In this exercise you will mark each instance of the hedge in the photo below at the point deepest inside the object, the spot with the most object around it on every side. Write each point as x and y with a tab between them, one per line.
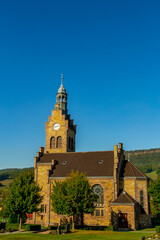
157	228
98	228
32	227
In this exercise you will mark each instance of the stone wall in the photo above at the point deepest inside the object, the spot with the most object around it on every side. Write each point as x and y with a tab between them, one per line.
129	209
89	219
64	131
42	180
56	117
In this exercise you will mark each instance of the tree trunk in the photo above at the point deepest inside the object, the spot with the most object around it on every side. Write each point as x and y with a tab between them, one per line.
20	223
73	223
81	218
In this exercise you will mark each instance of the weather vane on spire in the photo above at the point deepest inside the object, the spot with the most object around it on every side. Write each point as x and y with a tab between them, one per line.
61	79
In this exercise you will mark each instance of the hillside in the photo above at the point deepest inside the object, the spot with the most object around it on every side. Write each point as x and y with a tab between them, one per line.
146	160
7	175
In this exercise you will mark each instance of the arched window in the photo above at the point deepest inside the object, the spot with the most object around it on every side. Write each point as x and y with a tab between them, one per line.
141	198
69	142
98	190
59	142
59	99
52	142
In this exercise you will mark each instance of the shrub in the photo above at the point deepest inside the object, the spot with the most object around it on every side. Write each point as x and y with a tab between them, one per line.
32	227
12	226
157	228
155	222
110	228
98	228
2	225
52	227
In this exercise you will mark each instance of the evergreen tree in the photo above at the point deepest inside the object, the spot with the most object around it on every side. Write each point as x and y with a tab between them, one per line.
73	197
23	196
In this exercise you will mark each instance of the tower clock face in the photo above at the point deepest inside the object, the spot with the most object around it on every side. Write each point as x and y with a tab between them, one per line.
56	126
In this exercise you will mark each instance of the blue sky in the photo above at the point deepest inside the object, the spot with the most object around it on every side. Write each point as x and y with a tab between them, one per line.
109	53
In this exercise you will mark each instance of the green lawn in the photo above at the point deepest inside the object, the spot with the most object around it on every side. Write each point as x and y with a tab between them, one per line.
79	235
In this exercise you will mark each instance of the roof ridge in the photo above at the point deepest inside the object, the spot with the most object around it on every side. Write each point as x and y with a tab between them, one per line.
130	197
80	152
127	195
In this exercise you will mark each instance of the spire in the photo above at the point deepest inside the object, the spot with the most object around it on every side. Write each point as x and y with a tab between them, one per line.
61	97
61	89
62	79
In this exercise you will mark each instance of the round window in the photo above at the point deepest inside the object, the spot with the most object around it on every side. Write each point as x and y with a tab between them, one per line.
98	190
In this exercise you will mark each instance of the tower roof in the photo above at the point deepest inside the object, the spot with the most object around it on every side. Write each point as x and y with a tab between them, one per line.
61	89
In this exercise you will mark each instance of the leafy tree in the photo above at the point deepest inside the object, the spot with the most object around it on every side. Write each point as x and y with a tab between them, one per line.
154	192
3	194
23	196
158	172
73	197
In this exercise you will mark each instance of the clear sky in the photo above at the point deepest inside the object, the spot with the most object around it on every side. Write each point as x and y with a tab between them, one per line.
109	53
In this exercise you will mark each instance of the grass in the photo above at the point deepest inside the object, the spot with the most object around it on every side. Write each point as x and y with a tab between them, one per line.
79	235
152	175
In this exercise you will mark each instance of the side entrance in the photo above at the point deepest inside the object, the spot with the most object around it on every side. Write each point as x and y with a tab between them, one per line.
122	220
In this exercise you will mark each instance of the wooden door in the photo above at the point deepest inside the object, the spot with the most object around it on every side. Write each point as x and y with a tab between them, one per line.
122	220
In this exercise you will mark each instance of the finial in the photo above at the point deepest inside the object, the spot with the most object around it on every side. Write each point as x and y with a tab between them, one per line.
61	79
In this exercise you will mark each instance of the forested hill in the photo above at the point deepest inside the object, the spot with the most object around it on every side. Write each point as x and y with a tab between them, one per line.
147	160
11	173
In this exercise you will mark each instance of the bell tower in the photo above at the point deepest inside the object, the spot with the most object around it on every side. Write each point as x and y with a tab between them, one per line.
60	129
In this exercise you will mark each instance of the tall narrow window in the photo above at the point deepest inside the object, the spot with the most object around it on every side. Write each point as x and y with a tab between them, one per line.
43	208
71	143
98	190
52	142
59	142
97	212
141	198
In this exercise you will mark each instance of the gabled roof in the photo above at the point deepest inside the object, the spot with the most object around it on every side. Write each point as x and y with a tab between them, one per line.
87	162
124	198
129	170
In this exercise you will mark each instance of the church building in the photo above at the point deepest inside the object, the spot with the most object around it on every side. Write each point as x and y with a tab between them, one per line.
121	186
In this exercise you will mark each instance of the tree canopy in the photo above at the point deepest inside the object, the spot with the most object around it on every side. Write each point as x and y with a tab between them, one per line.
23	196
73	196
154	192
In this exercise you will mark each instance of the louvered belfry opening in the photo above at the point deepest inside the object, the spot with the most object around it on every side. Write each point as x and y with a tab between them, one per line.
52	142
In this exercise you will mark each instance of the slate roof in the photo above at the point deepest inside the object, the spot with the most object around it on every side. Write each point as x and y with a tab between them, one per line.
129	170
87	162
124	198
